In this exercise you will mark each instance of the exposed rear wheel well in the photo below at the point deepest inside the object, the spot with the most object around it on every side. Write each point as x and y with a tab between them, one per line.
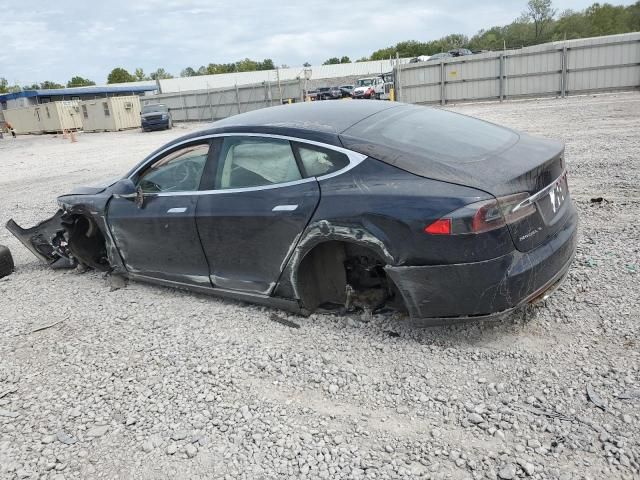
338	273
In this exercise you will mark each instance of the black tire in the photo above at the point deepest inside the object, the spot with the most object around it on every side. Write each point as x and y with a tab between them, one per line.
6	262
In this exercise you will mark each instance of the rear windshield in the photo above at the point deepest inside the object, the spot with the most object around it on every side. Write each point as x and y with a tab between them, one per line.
423	132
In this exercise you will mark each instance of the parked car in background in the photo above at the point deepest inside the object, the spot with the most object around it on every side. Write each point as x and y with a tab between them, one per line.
155	116
346	90
312	95
329	93
453	218
439	56
460	52
370	87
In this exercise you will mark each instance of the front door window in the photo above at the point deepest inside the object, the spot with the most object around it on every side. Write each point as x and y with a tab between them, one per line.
179	171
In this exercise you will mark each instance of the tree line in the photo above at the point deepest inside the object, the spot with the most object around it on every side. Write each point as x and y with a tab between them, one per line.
539	23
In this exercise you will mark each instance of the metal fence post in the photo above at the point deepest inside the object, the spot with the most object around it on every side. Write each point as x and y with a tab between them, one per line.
442	100
210	104
502	77
238	97
398	81
563	78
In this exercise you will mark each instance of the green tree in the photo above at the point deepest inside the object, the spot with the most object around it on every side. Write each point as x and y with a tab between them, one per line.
140	75
188	72
4	85
49	85
306	64
78	81
541	13
120	75
160	74
345	59
33	86
331	61
363	59
266	64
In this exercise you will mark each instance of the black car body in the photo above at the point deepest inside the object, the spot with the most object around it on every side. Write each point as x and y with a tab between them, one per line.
439	56
359	204
329	93
460	52
155	117
346	90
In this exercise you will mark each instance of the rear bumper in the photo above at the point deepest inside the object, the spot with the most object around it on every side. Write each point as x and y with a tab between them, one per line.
155	125
440	294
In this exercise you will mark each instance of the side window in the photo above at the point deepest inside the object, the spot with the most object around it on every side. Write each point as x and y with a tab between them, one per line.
105	106
318	161
178	171
256	161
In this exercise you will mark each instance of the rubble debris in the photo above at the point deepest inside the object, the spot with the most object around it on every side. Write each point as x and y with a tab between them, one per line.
629	395
283	321
45	327
116	282
595	398
8	392
6	262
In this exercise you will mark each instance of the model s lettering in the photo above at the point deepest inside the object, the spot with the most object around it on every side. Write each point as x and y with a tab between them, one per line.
333	205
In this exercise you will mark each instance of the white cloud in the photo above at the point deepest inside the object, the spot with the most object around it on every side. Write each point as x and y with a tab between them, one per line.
91	38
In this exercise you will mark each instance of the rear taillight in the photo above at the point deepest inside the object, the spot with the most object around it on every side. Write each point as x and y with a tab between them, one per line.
439	227
484	216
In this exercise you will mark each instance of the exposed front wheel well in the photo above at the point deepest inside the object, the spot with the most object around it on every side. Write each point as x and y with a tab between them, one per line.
86	241
344	274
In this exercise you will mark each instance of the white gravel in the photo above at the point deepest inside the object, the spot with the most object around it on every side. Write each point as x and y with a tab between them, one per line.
148	382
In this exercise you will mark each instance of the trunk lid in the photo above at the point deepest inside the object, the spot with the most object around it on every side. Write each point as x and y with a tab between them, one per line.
454	148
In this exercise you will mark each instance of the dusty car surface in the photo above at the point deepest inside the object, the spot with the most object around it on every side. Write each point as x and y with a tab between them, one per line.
333	205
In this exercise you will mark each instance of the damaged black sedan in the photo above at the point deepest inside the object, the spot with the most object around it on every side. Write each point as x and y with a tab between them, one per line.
333	205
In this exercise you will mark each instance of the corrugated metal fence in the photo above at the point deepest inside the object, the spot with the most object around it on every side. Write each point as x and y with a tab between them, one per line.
558	68
218	103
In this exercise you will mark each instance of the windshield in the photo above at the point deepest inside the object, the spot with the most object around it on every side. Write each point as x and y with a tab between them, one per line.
365	82
154	108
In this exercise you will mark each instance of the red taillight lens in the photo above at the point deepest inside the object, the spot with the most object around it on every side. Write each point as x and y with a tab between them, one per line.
439	227
484	216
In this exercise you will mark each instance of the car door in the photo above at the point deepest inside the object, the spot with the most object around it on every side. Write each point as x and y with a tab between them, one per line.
260	204
159	238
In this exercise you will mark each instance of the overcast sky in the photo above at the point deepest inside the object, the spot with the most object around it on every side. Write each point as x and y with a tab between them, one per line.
55	40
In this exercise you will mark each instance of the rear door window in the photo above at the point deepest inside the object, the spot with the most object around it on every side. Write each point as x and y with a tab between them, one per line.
256	161
318	161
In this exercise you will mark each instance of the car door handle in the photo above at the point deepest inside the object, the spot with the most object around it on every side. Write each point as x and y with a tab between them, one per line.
177	210
284	208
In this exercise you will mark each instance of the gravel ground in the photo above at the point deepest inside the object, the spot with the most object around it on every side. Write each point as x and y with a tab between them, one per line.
149	382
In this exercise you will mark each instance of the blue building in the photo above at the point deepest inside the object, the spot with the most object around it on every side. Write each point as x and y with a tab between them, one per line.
28	98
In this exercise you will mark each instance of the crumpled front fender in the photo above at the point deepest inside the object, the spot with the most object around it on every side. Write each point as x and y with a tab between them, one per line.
46	240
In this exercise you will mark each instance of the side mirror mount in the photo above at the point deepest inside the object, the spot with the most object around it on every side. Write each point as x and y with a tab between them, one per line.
124	188
139	197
